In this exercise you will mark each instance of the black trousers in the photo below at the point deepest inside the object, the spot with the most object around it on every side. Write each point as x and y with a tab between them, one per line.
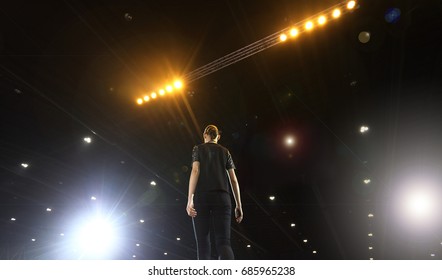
214	210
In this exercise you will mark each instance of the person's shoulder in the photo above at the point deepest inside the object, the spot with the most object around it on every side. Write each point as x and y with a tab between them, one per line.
223	148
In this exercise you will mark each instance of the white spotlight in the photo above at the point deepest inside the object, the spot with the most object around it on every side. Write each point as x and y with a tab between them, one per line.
292	225
141	221
305	240
178	238
272	197
25	165
93	198
13	219
87	140
249	246
48	209
364	129
33	239
96	237
153	183
419	204
289	141
367	181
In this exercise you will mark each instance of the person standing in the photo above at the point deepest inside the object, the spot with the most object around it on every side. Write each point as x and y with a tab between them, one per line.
211	181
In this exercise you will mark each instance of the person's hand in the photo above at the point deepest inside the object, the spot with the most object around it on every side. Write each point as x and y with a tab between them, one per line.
238	214
191	210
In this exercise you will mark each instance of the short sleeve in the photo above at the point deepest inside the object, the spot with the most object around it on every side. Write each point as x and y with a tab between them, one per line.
229	163
195	154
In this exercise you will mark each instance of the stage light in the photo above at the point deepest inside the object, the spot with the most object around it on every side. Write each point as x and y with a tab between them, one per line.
178	238
370	215
169	88
138	244
165	253
432	255
87	140
93	198
96	237
292	225
419	204
25	165
162	92
61	234
33	239
371	259
141	221
336	13
153	95
314	252
370	248
289	141
370	234
153	183
13	219
283	37
322	20
178	84
364	37
272	197
309	25
367	181
249	246
146	98
48	210
364	129
140	101
134	256
305	240
294	32
351	5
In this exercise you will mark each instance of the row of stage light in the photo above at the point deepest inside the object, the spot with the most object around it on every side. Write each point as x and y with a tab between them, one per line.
307	25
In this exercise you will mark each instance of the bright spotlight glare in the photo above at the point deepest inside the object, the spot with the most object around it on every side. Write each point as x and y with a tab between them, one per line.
25	165
96	237
419	204
87	140
178	84
336	13
322	20
367	181
272	197
283	37
309	25
162	92
351	5
363	129
294	32
169	88
139	101
153	95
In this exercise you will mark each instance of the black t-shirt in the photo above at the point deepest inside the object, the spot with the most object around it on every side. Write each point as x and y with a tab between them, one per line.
214	160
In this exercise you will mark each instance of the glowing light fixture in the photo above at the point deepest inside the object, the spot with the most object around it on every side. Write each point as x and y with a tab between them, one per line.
13	219
289	141
272	197
249	246
309	25
138	244
292	225
367	181
178	84
336	13
93	198
48	209
370	215
25	165
33	239
351	5
283	37
178	238
96	237
314	252
87	140
140	101
294	32
141	221
322	20
169	88
162	92
165	253
146	98
364	129
370	234
370	248
153	183
419	204
305	240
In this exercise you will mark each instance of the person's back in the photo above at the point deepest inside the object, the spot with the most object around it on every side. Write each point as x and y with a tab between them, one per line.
209	184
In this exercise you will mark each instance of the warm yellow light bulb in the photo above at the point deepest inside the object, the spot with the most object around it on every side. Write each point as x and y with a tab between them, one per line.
322	20
146	98
139	101
351	5
309	25
169	88
283	37
153	95
336	13
178	84
294	32
162	92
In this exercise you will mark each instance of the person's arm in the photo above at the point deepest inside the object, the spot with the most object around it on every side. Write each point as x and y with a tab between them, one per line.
194	175
236	194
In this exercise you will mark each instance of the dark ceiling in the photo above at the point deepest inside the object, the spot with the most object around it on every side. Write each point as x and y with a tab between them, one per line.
74	69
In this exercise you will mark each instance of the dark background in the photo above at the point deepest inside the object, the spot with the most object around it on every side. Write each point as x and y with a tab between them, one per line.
74	69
